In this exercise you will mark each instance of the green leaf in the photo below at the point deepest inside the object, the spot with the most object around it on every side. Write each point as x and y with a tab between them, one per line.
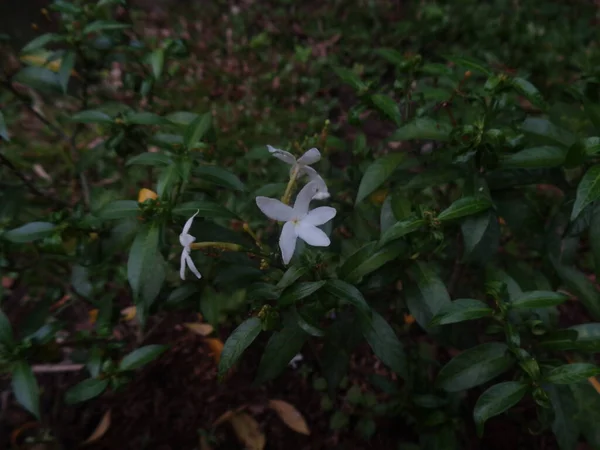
235	345
401	229
41	42
293	273
584	338
465	206
423	128
183	118
579	284
391	55
150	159
120	209
299	291
86	390
480	232
220	177
90	116
39	78
427	296
378	173
157	62
66	66
104	25
340	340
547	131
204	209
145	270
460	310
281	348
594	239
587	191
182	293
591	145
572	373
3	130
496	400
167	179
6	335
384	342
30	232
373	261
349	294
536	158
388	107
141	356
475	366
350	77
470	63
25	387
196	130
529	91
433	177
144	118
539	299
565	410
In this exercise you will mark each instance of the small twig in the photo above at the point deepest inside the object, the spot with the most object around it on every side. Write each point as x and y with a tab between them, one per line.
56	368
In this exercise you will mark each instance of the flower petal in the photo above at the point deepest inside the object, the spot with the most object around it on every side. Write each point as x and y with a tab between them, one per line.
303	199
182	264
313	175
287	242
274	209
310	157
320	215
188	224
312	235
191	265
186	239
286	157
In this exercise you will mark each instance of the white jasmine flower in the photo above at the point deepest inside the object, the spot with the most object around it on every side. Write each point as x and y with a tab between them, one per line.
186	239
299	221
296	360
302	166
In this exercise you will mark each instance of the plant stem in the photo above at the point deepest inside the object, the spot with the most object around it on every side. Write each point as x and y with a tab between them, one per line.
290	186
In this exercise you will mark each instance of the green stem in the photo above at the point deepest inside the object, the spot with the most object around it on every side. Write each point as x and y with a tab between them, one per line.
290	186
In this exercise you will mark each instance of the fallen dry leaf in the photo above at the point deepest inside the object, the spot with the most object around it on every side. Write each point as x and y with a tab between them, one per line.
216	347
228	415
41	172
128	313
100	430
204	445
290	416
248	431
203	329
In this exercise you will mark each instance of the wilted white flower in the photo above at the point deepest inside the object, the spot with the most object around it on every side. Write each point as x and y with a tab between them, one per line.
295	361
299	221
302	167
186	240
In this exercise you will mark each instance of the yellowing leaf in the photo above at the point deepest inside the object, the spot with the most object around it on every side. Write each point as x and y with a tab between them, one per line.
378	197
100	430
248	431
227	415
93	315
40	59
290	416
145	194
128	313
216	346
203	329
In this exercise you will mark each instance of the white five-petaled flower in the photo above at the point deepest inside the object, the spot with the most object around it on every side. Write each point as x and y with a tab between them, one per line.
186	239
302	166
299	221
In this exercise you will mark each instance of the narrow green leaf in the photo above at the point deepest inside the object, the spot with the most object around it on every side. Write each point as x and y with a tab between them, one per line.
497	399
433	177
594	239
6	335
465	206
544	129
539	299
299	291
66	67
41	42
565	410
401	229
239	340
427	296
86	390
39	78
461	310
572	373
141	356
143	265
120	209
348	293
196	130
144	118
30	232
384	342
480	232
587	191
157	62
182	118
90	116
25	387
388	107
293	273
475	366
104	25
536	158
470	63
220	177
423	128
579	284
529	91
167	179
308	328
391	55
150	159
350	77
374	261
182	293
281	348
378	173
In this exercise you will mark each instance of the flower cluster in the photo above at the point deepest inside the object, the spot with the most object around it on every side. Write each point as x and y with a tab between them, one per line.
299	220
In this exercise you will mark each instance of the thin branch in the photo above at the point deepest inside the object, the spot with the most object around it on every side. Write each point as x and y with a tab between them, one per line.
56	368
